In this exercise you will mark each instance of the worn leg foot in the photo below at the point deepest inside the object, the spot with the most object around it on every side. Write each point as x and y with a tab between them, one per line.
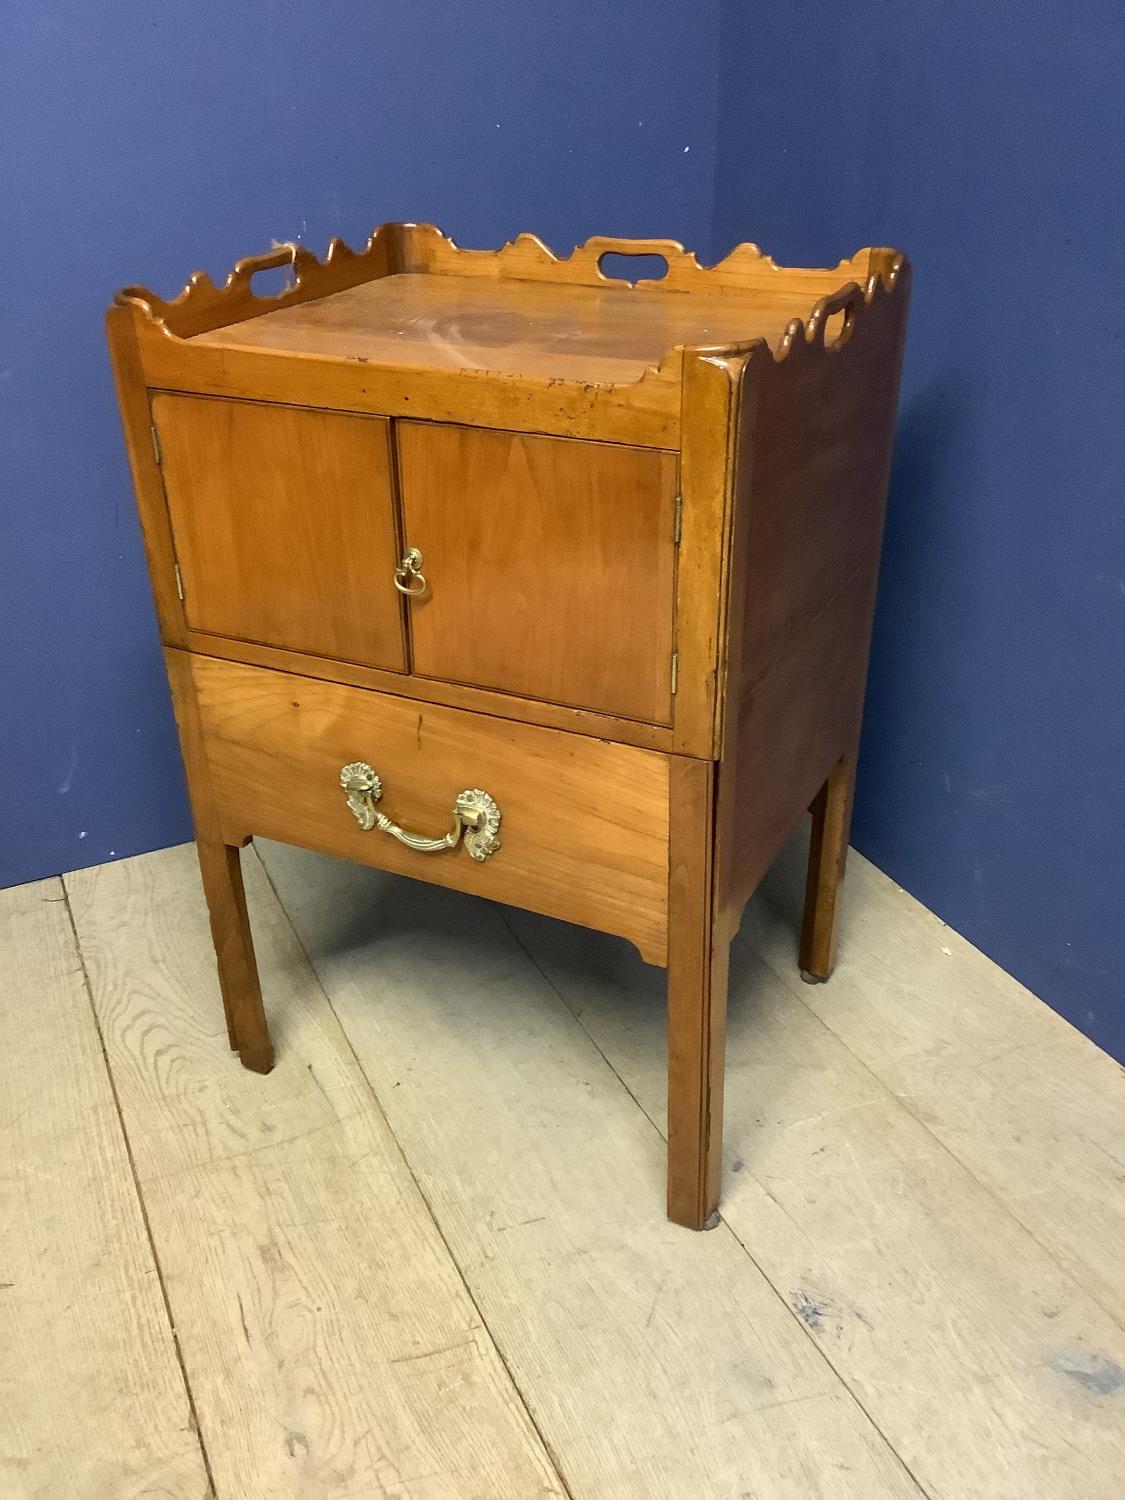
221	868
697	1005
828	849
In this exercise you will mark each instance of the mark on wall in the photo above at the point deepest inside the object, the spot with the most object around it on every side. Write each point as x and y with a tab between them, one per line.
68	775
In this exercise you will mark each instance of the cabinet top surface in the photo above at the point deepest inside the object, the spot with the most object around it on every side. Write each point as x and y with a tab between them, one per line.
515	327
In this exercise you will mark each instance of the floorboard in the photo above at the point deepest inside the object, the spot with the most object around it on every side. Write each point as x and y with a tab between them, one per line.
93	1404
1027	1103
989	1366
426	1257
657	1362
329	1341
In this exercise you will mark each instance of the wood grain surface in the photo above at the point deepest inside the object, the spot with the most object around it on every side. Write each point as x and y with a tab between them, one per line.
122	325
986	1361
1017	1094
283	524
427	690
720	588
519	338
330	1343
828	852
550	566
585	823
658	1363
916	1291
93	1404
644	412
422	251
524	329
697	1000
815	439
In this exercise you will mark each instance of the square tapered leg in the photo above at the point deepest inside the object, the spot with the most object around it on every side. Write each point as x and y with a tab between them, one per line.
697	1003
221	869
828	851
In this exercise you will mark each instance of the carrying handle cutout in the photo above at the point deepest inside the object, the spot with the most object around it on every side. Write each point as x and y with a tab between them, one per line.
632	266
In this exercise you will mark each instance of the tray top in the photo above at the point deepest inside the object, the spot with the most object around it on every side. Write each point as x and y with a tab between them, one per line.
536	329
412	298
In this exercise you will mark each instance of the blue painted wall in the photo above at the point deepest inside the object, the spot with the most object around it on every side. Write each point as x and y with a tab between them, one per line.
988	141
142	141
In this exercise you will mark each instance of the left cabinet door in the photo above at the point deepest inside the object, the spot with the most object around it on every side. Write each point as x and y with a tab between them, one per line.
283	524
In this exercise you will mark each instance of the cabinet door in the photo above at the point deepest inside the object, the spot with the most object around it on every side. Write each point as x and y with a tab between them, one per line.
549	564
283	524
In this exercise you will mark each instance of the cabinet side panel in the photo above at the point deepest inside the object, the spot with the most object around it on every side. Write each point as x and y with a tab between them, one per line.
132	398
814	455
710	388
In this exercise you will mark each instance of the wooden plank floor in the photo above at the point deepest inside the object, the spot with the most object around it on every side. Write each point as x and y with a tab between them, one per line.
92	1398
427	1255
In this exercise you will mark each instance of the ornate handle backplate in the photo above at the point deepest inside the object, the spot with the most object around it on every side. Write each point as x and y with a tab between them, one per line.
475	815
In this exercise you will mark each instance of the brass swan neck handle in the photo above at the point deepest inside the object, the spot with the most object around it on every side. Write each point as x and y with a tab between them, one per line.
475	815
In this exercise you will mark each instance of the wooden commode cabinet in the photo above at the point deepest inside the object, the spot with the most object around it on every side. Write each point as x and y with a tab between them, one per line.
487	568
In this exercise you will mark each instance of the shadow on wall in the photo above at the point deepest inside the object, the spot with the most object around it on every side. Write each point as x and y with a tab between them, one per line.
902	690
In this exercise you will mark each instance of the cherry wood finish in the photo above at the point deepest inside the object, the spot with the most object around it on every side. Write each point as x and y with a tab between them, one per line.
455	694
283	525
639	404
584	834
220	867
698	960
525	329
422	249
550	566
809	489
649	517
134	400
828	850
221	872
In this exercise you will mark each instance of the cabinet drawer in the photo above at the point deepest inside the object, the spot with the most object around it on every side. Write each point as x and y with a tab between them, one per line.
584	823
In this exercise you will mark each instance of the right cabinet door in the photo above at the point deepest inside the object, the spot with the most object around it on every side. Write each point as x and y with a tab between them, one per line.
549	566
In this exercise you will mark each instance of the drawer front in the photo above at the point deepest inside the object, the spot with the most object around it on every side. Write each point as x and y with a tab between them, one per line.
283	525
550	566
584	823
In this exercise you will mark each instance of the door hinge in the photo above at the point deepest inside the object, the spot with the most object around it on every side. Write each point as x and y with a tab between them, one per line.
678	522
179	581
675	671
155	443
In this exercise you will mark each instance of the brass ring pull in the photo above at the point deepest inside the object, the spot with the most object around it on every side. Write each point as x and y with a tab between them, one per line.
409	572
475	815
